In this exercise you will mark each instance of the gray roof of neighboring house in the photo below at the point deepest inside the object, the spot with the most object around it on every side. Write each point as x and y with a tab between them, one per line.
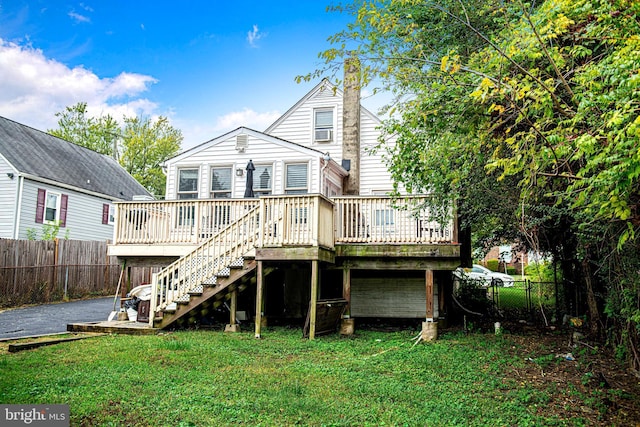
39	154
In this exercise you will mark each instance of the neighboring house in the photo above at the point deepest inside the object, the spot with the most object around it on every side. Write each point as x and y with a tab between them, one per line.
45	180
319	228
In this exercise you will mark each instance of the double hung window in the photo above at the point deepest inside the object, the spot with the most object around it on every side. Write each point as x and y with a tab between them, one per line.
187	184
296	178
323	125
221	183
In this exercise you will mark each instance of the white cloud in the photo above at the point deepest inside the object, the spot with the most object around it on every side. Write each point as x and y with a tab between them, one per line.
254	35
195	134
247	118
33	88
85	7
78	18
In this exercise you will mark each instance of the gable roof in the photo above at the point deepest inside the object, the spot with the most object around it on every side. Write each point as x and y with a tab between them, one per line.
248	131
325	84
40	155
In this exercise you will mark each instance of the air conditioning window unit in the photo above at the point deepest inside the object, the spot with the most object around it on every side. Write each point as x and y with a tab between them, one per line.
323	135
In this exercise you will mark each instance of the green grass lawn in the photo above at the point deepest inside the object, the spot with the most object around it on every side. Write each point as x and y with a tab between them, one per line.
515	297
209	378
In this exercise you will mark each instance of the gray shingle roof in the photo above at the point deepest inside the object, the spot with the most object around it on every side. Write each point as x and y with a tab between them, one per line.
40	154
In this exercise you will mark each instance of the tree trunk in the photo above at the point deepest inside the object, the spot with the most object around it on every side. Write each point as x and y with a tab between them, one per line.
594	312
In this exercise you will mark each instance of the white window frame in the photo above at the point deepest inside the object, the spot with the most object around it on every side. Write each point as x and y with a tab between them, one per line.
56	218
112	215
256	179
296	190
214	194
196	192
317	127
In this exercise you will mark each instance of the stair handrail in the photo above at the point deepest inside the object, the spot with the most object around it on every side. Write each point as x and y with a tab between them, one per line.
218	252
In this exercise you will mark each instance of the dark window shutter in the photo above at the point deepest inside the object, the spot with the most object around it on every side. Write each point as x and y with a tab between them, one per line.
63	210
105	214
42	194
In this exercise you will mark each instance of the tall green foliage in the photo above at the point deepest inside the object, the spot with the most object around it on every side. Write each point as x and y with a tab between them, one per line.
141	144
147	145
526	117
77	126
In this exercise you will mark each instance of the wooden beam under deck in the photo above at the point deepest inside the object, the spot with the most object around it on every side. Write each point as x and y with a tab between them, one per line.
295	253
399	251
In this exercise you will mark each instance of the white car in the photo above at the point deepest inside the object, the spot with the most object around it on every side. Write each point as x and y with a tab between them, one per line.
485	276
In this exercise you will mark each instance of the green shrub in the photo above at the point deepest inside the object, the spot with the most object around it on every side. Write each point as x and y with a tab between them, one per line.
541	272
511	270
493	265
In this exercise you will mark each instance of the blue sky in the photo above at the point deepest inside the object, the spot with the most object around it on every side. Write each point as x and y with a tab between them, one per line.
210	66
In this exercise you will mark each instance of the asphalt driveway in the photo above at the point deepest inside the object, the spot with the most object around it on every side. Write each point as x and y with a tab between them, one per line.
52	318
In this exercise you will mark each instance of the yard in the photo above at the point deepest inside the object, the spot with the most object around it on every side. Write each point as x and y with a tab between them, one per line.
378	377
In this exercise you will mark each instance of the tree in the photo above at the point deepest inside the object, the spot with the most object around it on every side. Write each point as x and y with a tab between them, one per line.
98	134
147	144
141	145
537	107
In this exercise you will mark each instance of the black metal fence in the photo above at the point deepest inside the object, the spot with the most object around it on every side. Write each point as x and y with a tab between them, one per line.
524	300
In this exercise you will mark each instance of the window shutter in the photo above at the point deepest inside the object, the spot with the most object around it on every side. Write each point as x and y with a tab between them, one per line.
63	210
42	194
105	214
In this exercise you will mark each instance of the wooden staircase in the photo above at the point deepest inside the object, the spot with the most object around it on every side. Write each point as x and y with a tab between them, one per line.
200	280
207	297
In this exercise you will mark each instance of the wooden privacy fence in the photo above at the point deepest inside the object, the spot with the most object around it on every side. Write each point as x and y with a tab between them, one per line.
37	271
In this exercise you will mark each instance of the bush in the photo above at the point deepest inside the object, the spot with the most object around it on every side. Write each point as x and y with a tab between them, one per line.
493	264
511	270
541	272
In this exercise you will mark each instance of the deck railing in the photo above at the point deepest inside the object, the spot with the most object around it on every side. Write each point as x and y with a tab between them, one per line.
380	219
176	221
284	220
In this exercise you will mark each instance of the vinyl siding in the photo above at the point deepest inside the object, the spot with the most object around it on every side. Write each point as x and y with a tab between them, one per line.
224	154
8	199
298	127
84	214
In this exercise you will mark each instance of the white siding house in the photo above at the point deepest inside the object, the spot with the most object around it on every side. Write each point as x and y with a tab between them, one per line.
326	230
217	168
300	123
300	141
45	180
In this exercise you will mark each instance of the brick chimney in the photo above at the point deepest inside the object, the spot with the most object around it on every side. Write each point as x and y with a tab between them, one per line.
351	125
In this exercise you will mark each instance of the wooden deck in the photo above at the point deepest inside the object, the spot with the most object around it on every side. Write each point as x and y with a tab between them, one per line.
201	242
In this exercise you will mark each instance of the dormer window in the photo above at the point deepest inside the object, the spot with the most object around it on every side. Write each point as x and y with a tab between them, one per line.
323	125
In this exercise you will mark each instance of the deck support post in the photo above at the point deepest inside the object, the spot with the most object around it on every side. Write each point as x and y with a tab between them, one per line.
124	290
314	299
233	324
429	291
259	298
347	323
429	327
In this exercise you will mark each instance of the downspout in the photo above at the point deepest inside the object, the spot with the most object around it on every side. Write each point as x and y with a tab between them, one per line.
18	208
